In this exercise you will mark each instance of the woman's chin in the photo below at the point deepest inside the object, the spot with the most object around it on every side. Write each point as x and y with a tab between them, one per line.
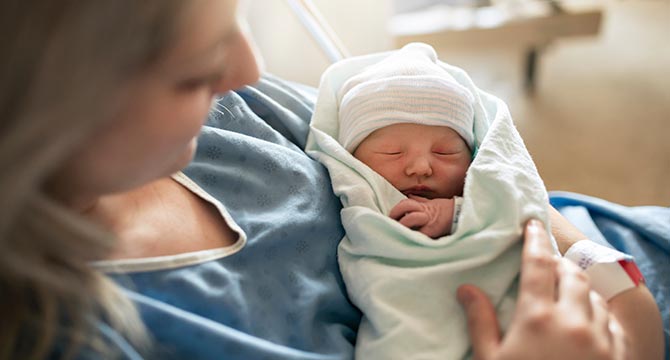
187	155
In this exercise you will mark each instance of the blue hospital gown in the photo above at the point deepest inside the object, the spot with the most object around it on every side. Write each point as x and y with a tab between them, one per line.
281	296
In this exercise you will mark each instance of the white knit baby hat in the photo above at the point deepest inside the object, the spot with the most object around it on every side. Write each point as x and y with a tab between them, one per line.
409	86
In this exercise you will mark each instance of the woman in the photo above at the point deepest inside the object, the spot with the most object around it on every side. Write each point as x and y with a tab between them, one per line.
101	102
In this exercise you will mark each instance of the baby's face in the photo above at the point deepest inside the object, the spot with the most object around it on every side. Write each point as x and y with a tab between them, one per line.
428	161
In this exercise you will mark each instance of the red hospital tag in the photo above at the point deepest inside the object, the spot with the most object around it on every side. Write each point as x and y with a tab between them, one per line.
633	271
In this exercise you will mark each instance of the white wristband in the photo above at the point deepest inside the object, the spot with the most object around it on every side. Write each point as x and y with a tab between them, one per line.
609	270
458	204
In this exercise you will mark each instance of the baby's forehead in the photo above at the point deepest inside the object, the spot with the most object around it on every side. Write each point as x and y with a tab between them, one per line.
412	133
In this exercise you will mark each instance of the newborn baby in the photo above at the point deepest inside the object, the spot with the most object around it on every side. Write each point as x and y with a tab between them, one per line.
411	122
407	139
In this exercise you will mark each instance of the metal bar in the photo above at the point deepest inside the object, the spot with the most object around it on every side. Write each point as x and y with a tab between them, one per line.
319	30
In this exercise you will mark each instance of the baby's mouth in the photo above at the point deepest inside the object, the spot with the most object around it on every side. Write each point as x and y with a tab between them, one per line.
420	190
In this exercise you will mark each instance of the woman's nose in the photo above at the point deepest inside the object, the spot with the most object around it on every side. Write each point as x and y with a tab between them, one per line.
419	166
243	69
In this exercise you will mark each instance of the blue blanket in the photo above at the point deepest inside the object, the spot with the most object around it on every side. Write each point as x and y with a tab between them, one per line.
643	232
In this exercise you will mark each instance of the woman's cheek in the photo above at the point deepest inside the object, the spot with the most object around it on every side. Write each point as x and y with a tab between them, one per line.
204	102
195	109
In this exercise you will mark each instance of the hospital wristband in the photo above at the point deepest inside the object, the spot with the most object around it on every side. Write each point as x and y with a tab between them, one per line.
458	204
610	271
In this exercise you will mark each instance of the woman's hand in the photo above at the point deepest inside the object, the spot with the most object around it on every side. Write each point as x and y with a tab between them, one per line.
634	309
556	317
432	217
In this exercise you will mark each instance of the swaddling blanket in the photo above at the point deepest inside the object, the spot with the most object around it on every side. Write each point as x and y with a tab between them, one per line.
403	281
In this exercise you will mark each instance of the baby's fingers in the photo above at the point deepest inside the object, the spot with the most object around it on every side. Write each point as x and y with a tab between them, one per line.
418	198
415	220
404	207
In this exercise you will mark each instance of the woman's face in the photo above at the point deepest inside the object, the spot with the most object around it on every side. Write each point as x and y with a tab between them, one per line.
154	135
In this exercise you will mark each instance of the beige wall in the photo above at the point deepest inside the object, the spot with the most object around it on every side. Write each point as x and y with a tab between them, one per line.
599	121
290	53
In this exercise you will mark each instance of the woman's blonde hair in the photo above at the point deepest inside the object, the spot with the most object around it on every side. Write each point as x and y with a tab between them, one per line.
62	72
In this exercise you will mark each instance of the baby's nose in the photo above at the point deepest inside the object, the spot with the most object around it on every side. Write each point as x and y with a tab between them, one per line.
419	166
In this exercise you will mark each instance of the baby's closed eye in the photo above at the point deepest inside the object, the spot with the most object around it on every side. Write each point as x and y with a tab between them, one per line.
447	151
388	151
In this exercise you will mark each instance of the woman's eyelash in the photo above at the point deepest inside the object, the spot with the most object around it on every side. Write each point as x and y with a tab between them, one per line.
202	81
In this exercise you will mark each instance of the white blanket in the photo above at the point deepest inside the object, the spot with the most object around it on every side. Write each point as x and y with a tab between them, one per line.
403	281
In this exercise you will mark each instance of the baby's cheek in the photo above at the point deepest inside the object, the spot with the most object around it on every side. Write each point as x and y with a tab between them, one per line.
392	173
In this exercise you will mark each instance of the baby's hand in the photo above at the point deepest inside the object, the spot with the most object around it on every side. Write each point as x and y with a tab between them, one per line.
430	216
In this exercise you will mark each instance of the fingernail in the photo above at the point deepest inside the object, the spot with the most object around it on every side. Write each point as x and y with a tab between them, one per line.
464	296
534	223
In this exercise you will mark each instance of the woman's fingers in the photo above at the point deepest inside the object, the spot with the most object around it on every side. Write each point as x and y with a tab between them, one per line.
612	336
574	291
538	268
482	322
619	340
601	315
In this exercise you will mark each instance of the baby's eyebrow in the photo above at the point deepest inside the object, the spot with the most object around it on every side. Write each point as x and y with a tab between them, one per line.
386	146
449	139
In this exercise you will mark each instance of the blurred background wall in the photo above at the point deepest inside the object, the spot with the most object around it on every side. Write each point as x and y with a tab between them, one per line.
598	121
